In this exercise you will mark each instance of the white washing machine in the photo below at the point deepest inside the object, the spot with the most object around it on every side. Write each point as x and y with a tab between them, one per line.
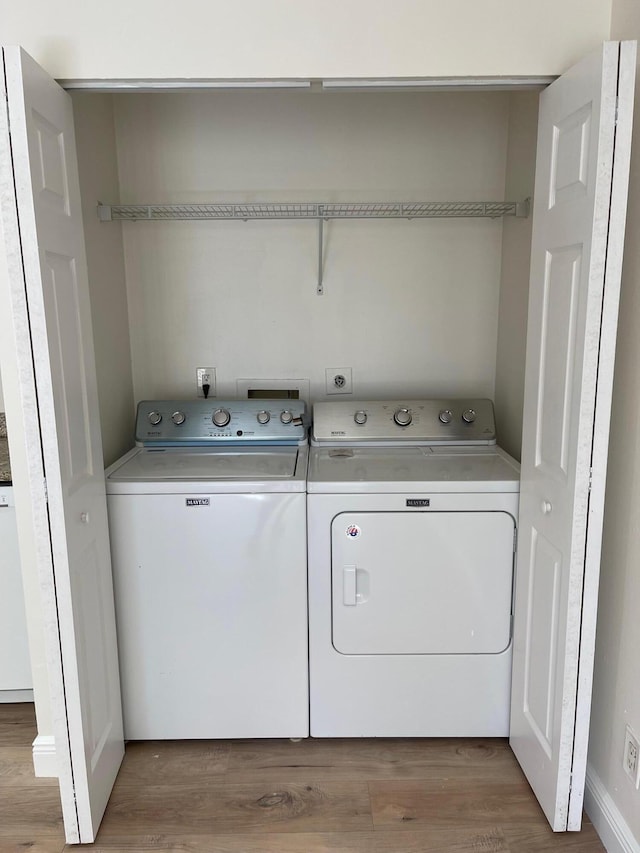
208	531
412	528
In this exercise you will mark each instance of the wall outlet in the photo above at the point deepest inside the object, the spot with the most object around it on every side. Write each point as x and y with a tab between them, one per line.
206	376
338	380
631	758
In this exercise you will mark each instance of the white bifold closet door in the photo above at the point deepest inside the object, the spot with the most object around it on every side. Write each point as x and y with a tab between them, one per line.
582	173
579	209
49	296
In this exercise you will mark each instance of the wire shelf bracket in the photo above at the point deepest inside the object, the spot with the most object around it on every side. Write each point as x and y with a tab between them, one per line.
319	211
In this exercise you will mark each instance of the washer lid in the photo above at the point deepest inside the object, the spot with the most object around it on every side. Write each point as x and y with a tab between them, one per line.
412	469
162	464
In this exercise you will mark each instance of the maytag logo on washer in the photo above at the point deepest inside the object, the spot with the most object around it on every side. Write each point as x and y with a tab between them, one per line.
353	531
197	501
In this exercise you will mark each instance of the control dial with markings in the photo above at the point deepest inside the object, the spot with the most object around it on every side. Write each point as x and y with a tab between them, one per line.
286	417
221	417
469	416
445	416
402	417
263	417
360	417
178	418
154	418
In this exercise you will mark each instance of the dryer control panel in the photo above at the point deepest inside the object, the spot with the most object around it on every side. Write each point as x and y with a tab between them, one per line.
170	423
446	421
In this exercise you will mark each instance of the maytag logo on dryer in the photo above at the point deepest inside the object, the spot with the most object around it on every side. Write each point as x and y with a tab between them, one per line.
419	502
197	501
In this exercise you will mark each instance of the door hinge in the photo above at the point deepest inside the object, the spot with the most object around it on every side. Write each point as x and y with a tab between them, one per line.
590	478
515	540
46	490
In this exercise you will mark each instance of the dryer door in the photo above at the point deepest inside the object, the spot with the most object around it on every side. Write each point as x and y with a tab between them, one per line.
422	582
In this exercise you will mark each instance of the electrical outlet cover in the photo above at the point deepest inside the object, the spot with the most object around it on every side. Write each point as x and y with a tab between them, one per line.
203	373
631	757
338	380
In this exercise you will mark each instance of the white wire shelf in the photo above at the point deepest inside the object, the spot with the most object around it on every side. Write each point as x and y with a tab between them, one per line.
314	210
318	211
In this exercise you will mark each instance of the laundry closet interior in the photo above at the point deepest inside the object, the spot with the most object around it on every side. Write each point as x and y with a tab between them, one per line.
416	308
379	232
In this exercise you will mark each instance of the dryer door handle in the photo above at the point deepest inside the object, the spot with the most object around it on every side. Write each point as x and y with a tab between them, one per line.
349	586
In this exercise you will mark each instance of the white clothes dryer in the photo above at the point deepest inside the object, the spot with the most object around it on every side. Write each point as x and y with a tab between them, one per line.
208	533
412	515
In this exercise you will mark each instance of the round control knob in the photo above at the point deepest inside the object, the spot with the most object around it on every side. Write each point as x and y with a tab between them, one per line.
445	416
263	417
154	418
402	417
286	417
221	417
360	417
469	416
178	418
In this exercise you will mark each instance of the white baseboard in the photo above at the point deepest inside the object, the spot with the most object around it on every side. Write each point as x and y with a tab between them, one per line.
13	696
44	756
612	828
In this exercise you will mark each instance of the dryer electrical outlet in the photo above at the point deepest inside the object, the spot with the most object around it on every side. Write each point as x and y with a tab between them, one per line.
338	380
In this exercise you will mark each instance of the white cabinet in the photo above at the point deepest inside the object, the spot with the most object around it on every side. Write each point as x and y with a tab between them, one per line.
15	668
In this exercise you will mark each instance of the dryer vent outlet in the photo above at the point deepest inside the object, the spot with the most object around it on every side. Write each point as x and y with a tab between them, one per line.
338	380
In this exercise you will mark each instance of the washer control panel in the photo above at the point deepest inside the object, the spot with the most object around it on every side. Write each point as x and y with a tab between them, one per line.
467	421
204	422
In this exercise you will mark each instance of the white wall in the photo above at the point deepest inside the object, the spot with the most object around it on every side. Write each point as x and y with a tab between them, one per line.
411	307
300	38
98	169
514	285
616	693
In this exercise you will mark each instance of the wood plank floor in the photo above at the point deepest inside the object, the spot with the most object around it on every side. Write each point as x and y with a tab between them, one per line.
316	796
